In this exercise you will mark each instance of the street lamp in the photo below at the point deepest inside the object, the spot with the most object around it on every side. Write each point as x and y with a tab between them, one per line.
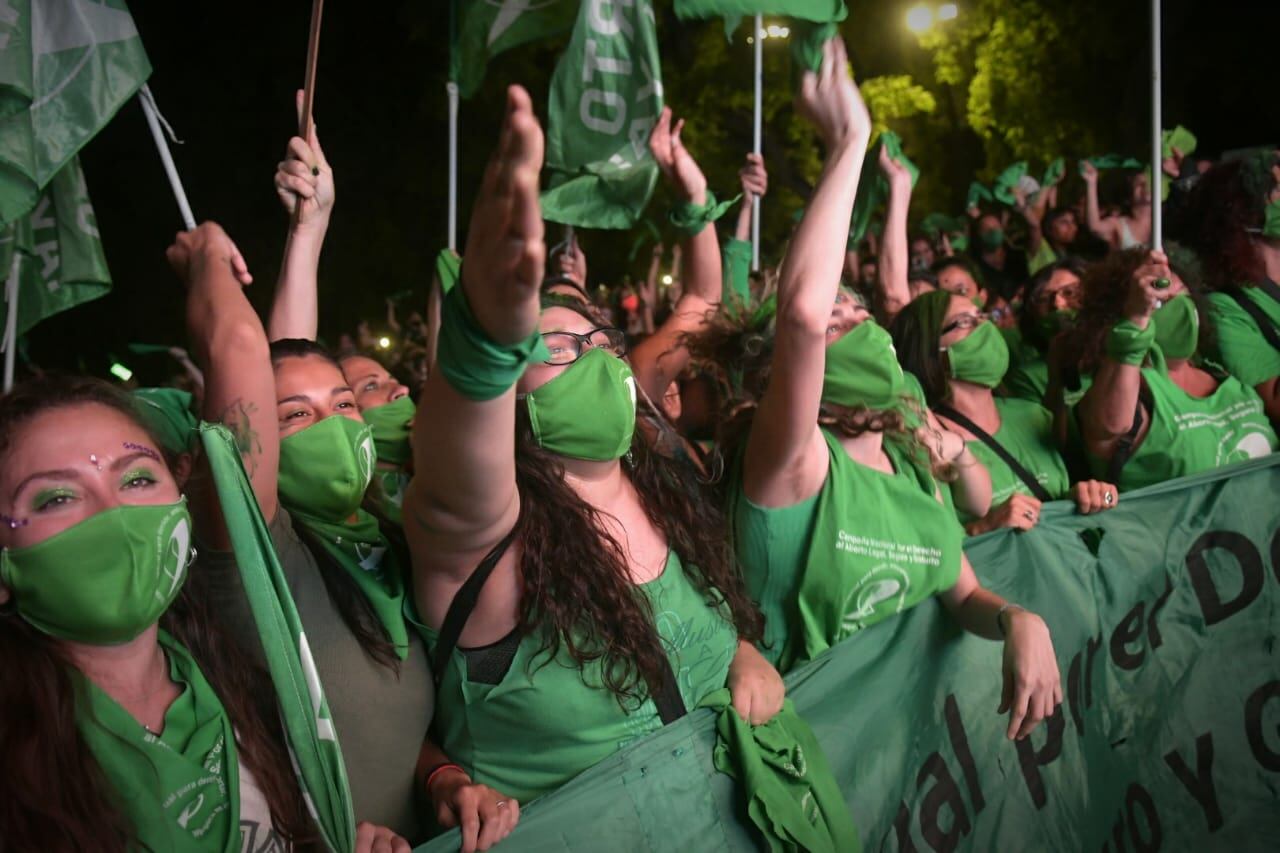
920	18
384	342
773	31
947	12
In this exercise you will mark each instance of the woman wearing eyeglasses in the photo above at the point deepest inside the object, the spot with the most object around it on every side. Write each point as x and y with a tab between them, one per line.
575	588
1052	300
959	356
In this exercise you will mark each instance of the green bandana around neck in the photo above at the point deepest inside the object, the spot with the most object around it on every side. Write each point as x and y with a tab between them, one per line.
862	369
588	411
106	579
325	468
392	426
1177	327
181	788
981	357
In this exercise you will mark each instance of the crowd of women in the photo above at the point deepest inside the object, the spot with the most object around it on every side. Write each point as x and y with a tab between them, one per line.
578	526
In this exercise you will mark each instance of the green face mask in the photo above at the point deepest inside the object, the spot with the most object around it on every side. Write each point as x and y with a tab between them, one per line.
863	370
982	357
105	580
390	424
1271	220
1056	321
587	412
1177	327
325	468
993	239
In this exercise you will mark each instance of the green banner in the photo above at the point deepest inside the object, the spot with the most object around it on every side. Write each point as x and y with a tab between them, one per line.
66	66
606	94
1164	613
304	712
60	259
485	28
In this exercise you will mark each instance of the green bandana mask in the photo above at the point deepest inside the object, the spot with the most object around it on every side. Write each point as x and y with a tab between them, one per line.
391	429
1056	321
325	468
587	412
993	239
982	357
862	369
1271	220
106	579
1177	327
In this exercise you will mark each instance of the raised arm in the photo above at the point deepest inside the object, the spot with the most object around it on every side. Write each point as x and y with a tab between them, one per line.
231	348
1033	213
1092	212
893	294
786	459
470	502
302	178
1107	409
737	251
662	356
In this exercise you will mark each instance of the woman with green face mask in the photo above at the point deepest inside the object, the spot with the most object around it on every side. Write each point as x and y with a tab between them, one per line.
131	719
574	587
829	479
1155	411
1048	309
310	457
959	358
388	409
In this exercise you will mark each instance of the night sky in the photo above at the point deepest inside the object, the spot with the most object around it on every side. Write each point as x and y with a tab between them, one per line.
224	76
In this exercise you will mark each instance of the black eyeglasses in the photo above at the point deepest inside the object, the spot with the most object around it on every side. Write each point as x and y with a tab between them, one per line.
568	347
964	321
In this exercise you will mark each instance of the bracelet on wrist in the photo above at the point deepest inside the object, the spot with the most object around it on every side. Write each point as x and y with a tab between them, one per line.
1009	605
437	770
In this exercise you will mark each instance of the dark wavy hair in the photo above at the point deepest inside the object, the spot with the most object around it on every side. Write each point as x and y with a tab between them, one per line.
915	333
1028	322
941	265
1228	199
577	593
57	797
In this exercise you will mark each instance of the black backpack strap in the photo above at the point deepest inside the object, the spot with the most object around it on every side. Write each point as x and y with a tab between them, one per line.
667	697
1037	490
464	602
1124	447
1264	323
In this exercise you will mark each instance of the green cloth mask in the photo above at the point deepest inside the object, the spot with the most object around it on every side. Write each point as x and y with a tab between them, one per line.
1177	327
1056	321
587	412
863	370
391	425
992	239
325	468
1271	220
981	357
106	579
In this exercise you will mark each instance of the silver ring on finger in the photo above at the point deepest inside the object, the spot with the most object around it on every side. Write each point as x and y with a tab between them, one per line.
1108	498
502	803
1028	515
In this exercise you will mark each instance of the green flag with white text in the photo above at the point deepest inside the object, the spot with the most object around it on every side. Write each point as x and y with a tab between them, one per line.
606	94
66	66
60	260
304	713
485	28
814	11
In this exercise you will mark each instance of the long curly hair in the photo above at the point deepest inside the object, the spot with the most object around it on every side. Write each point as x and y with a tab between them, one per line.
578	596
58	798
1228	199
1028	321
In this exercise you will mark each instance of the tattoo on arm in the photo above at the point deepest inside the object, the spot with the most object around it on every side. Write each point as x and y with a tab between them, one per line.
236	417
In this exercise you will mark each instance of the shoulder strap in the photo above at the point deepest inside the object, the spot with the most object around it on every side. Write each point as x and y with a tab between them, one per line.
996	447
1124	447
464	602
1265	324
667	698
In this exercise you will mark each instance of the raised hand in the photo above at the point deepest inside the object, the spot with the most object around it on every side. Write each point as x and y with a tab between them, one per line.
893	170
754	177
304	176
192	252
831	102
573	263
1148	287
1089	172
675	161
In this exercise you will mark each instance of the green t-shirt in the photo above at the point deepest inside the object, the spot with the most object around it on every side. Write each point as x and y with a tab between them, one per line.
1241	346
1044	255
545	722
1191	434
1026	432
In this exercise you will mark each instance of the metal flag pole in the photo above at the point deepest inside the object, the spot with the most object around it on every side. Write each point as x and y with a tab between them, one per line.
1157	152
11	319
452	89
153	121
755	146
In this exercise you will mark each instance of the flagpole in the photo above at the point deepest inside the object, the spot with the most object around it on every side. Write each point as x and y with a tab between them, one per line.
11	319
452	88
755	146
1157	152
153	121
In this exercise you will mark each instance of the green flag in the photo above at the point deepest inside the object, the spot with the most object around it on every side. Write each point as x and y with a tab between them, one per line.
308	725
66	66
873	186
60	260
485	28
814	11
606	94
1007	181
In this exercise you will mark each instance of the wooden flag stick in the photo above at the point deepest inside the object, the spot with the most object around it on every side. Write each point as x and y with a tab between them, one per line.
305	123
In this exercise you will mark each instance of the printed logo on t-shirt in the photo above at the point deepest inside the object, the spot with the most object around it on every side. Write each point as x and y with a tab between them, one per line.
883	589
1252	445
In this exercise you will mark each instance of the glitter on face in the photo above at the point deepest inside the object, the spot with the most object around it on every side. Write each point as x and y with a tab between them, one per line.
93	460
13	523
143	449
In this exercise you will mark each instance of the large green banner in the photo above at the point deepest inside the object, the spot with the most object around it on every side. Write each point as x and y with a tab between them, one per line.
1165	613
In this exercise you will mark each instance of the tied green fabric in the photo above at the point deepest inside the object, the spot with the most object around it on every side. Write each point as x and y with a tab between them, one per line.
1007	181
862	369
180	789
1239	344
873	186
588	411
1054	172
981	357
792	796
304	711
167	413
392	425
606	94
104	580
475	366
325	468
1026	431
1128	344
689	219
448	269
977	194
1177	327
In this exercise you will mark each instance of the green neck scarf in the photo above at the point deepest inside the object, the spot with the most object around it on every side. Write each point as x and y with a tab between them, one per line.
391	424
180	789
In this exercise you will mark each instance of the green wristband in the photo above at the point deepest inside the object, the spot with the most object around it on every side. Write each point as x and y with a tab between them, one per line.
1128	344
689	218
471	362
